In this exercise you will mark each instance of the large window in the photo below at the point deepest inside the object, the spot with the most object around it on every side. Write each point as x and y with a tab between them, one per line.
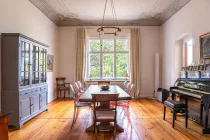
108	58
188	53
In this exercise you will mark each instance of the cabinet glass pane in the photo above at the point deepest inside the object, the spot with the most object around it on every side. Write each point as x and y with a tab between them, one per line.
26	78
22	74
43	77
27	50
35	77
27	61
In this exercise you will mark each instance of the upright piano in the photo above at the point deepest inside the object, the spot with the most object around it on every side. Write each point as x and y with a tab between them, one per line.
194	85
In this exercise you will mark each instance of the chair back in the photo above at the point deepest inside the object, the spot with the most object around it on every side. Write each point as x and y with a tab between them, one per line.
125	84
76	87
75	94
128	84
104	98
60	81
79	83
130	88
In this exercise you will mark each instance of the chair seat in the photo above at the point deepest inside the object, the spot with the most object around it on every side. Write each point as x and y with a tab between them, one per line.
105	115
82	104
174	104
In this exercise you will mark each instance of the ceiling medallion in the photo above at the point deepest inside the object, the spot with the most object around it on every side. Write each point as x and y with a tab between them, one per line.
114	30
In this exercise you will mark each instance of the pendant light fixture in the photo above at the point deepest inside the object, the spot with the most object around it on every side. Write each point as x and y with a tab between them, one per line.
113	30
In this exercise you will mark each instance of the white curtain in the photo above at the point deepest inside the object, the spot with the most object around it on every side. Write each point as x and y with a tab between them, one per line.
135	61
81	55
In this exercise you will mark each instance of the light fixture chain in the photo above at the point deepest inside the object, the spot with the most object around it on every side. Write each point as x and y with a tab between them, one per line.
115	15
113	12
104	13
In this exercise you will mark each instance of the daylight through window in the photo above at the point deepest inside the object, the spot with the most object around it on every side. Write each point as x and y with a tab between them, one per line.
108	58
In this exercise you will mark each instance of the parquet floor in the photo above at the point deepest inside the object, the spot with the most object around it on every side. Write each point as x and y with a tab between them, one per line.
146	117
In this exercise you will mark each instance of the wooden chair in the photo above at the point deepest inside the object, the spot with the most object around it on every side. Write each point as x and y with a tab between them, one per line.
77	105
62	86
105	114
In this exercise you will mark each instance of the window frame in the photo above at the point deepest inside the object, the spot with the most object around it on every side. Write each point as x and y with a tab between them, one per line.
101	52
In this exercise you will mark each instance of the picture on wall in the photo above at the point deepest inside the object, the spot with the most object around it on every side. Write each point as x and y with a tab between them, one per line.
205	46
49	62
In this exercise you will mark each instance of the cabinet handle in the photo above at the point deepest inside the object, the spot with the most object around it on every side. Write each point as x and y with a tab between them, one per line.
26	93
36	90
29	64
32	104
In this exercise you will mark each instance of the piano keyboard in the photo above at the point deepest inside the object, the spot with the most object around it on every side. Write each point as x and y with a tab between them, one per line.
188	93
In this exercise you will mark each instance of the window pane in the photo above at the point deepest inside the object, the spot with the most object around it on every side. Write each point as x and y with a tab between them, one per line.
108	45
108	65
94	45
95	65
122	45
122	65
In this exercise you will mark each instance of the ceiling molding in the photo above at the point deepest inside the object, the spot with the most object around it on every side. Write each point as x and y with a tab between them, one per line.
145	19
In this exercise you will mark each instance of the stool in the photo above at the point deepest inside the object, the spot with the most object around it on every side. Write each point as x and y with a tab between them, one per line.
176	107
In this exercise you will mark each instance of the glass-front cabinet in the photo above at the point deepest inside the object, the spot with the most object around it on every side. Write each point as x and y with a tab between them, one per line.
24	77
32	64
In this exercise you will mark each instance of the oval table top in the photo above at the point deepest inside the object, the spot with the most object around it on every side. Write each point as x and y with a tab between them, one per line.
95	89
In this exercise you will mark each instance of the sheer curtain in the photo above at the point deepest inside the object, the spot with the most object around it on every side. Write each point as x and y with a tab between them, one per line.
135	61
81	55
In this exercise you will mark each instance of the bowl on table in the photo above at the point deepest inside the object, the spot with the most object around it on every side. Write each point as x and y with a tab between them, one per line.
105	87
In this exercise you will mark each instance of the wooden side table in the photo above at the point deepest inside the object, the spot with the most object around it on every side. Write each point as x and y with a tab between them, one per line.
4	119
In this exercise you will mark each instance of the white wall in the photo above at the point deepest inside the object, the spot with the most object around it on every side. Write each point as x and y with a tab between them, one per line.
20	16
192	19
149	46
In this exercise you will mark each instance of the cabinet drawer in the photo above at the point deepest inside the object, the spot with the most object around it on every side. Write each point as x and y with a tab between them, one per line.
44	88
36	90
25	93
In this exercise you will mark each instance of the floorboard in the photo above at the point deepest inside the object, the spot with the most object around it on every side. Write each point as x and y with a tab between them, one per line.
146	124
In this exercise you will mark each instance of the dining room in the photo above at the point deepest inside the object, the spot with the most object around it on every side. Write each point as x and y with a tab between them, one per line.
108	69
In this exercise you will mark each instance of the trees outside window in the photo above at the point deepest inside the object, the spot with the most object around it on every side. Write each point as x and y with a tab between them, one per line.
108	58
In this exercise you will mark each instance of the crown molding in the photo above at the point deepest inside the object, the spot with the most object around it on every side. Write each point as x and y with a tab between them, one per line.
145	19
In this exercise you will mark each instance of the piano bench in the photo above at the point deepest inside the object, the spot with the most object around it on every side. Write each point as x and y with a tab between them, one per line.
176	107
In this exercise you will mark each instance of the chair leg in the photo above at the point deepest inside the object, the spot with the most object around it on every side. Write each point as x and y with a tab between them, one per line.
77	114
186	117
164	113
174	113
73	121
64	93
115	127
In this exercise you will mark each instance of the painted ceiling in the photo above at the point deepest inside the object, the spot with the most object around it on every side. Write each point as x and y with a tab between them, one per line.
90	12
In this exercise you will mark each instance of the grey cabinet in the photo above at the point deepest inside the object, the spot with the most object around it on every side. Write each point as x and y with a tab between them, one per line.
24	77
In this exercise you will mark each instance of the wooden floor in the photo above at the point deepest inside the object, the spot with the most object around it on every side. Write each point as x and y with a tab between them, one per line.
146	117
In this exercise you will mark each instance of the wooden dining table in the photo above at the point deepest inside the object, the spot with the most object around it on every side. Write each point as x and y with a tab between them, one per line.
96	89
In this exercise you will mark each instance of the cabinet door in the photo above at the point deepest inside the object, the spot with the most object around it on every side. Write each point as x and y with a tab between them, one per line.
35	64
35	103
43	99
43	68
25	62
25	108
